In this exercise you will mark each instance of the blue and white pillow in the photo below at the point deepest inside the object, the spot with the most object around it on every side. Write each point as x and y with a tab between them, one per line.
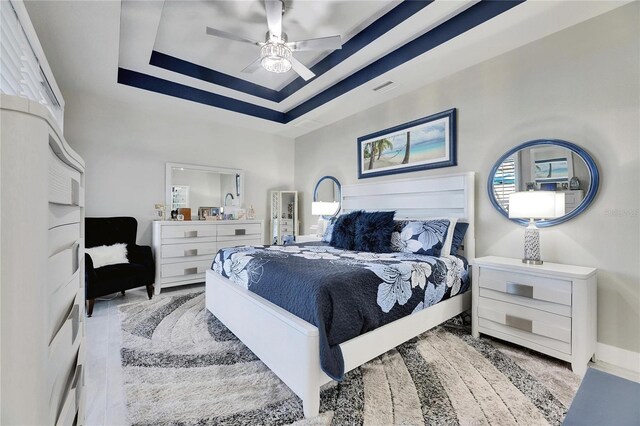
328	231
420	237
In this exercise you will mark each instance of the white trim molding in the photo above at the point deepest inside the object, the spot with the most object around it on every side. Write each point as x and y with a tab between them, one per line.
619	357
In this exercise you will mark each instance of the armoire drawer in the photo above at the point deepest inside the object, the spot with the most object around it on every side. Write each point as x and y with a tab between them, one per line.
64	182
66	403
188	250
62	237
185	268
60	214
60	302
188	231
526	286
62	266
534	321
238	230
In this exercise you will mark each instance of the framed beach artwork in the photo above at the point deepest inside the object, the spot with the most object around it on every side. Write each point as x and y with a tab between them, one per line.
426	143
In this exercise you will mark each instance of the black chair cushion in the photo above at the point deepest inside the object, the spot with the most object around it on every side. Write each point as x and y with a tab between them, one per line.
107	231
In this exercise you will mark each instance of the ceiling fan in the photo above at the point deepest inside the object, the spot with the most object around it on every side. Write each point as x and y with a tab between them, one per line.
276	50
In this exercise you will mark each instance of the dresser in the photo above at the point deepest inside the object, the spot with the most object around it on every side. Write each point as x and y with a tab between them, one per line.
184	250
550	308
42	269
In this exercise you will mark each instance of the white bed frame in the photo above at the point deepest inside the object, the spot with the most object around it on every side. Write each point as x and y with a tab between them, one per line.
290	346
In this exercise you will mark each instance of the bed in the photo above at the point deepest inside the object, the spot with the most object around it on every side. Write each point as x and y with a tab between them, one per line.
295	349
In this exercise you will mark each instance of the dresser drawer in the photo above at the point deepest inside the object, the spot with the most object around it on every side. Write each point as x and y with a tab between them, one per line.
188	250
62	266
188	231
533	321
235	230
185	268
70	400
526	286
64	182
63	351
62	237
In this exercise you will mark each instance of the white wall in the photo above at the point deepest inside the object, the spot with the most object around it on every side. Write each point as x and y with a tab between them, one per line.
125	148
580	85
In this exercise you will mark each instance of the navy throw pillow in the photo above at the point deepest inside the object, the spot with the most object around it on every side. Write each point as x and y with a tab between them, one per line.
373	232
344	231
458	236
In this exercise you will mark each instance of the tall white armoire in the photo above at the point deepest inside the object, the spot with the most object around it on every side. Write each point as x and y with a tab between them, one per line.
284	217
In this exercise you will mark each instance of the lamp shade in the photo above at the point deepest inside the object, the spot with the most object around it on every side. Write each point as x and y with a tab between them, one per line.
536	205
323	208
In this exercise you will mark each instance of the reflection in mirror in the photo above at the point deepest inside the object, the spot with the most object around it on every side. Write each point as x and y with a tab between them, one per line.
193	186
545	165
328	190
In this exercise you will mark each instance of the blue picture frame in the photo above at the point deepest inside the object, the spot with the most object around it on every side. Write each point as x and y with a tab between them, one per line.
433	146
589	196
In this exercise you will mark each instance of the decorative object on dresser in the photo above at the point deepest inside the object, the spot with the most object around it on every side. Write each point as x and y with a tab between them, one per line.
183	251
118	277
327	199
422	144
544	162
42	294
549	308
284	216
535	205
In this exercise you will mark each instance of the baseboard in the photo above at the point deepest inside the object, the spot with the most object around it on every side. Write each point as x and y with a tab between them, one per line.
619	357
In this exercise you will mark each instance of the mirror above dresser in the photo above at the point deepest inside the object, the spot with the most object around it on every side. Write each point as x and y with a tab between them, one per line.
195	186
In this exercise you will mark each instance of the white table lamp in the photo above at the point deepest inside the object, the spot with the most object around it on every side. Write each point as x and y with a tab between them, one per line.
535	205
323	208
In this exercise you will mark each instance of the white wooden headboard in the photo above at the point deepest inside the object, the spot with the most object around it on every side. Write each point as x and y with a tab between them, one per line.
420	198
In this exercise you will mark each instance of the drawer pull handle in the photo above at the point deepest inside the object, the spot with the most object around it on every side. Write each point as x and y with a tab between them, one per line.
75	322
190	234
192	252
519	323
190	271
75	260
75	192
520	290
241	232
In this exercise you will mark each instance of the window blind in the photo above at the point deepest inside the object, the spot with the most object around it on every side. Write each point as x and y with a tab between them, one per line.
504	182
20	70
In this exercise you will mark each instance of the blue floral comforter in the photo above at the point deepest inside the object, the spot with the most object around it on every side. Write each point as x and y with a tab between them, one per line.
343	293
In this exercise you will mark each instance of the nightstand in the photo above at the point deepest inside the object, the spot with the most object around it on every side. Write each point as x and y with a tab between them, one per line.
308	238
550	308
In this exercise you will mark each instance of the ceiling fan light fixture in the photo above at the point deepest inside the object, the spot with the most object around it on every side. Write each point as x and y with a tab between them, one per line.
276	57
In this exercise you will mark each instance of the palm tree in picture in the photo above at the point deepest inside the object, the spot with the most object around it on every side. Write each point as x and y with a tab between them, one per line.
407	149
370	150
381	145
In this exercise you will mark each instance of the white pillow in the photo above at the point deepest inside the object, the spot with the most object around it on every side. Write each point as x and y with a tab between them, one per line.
108	255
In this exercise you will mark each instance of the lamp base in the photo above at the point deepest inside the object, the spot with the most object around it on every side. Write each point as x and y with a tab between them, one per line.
532	261
532	245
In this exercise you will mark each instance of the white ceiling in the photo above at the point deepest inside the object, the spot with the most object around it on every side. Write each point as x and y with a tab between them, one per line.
86	42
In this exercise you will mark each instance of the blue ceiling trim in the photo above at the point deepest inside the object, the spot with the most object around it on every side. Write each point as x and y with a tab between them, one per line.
166	87
171	63
386	22
470	18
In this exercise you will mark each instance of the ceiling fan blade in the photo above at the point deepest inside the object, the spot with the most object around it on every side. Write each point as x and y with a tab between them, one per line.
253	66
303	71
323	43
274	16
229	36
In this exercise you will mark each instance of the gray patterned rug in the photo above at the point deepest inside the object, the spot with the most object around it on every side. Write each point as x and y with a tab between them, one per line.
181	366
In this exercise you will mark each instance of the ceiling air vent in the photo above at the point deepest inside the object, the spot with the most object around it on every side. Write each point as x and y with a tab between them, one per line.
385	87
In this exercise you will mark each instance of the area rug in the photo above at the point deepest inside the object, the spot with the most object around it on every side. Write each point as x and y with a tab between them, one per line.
181	366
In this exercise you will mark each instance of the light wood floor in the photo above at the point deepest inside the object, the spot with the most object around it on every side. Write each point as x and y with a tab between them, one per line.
104	387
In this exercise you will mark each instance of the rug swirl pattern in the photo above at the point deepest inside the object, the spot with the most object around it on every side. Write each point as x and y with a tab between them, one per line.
181	366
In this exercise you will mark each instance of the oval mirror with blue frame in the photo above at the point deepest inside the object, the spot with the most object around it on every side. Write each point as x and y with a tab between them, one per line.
545	165
328	189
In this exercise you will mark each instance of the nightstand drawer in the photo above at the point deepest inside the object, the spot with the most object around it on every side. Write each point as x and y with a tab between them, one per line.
530	320
502	331
526	285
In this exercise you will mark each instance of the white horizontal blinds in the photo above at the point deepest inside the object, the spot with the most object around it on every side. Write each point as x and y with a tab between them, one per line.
20	71
504	182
